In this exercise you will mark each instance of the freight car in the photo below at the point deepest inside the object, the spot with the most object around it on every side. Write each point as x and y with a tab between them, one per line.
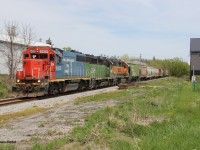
144	72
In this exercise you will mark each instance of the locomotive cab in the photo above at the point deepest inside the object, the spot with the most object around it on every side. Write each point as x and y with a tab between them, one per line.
119	71
38	67
38	64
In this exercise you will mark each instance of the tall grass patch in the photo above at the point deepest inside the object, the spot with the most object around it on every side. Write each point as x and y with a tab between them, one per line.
161	114
5	86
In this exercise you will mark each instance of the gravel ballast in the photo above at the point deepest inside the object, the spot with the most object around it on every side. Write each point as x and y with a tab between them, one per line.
51	102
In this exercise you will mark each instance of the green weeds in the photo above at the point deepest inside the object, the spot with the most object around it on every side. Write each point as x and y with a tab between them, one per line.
162	114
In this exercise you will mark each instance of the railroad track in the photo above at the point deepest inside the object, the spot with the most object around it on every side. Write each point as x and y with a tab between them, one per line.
6	102
11	101
135	83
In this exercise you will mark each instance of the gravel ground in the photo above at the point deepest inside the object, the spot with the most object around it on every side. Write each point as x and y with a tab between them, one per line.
51	102
53	123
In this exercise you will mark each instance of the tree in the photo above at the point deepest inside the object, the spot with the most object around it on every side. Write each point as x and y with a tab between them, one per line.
67	48
49	42
176	66
13	45
11	29
125	57
27	34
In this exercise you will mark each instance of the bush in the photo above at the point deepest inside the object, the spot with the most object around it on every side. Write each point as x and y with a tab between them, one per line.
176	66
3	89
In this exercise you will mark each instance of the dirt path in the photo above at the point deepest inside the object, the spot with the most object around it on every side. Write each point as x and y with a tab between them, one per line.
53	123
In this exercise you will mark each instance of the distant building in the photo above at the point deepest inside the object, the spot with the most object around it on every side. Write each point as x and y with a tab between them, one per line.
194	56
18	45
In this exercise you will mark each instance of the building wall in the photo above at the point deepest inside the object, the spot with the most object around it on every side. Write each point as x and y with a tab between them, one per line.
194	56
3	59
195	61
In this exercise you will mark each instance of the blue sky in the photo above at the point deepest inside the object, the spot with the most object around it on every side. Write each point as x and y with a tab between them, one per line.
160	28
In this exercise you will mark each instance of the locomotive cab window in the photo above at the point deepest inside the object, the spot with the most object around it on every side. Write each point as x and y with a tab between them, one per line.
52	58
58	60
26	56
34	56
43	56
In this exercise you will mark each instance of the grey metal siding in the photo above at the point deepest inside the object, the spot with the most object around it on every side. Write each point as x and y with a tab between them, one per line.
195	61
195	44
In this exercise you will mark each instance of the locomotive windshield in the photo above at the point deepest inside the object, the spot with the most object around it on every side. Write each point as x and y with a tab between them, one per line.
39	56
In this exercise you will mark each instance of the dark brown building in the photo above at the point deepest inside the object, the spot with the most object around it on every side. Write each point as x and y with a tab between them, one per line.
194	56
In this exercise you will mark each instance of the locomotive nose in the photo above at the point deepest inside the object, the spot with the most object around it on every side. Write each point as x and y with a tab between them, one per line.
33	69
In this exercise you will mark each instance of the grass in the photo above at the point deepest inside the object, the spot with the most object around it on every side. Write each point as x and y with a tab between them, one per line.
5	86
170	112
162	114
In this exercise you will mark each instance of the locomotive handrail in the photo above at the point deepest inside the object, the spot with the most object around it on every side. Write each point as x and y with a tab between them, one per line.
49	70
24	72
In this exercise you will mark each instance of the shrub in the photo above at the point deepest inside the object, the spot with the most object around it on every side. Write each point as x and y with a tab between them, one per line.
176	66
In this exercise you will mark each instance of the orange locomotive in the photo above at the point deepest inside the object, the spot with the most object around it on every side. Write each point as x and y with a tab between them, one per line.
119	70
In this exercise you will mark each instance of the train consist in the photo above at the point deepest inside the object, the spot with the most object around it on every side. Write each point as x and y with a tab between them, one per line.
48	70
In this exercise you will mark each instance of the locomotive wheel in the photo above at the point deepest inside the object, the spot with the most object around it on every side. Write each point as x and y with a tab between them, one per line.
60	88
81	86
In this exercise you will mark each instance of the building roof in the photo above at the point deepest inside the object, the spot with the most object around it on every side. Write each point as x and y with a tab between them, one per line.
20	41
195	45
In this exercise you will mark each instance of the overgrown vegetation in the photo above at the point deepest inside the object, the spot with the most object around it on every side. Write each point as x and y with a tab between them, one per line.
162	114
5	87
176	66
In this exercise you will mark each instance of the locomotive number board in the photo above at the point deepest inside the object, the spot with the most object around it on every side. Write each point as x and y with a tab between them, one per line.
43	51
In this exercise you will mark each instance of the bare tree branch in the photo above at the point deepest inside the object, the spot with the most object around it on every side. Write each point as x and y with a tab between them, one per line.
14	45
27	34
